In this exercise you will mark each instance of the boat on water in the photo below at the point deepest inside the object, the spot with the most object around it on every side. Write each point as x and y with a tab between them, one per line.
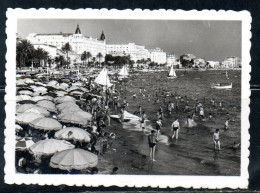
172	73
221	86
127	117
103	78
123	73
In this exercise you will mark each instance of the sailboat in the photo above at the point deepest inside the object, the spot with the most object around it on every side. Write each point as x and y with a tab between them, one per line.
103	78
172	73
123	73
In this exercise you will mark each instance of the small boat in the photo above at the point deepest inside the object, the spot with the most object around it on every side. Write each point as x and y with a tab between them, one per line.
127	117
221	86
172	73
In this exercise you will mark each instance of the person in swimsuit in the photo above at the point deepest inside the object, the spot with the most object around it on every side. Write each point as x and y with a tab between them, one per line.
226	125
143	118
152	144
158	127
216	139
175	128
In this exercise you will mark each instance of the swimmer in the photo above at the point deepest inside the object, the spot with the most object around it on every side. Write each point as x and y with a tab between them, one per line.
175	128
216	139
152	140
158	127
226	125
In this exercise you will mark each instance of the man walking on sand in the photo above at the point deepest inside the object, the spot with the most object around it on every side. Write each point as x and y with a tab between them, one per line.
175	128
216	139
152	144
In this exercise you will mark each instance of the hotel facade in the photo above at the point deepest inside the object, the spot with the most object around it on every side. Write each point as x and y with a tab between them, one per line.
80	43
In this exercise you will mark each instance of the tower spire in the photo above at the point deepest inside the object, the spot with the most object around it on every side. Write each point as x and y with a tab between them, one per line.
102	37
77	30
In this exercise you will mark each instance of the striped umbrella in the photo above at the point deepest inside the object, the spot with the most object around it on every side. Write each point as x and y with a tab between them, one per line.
77	159
50	106
50	146
26	118
73	133
45	123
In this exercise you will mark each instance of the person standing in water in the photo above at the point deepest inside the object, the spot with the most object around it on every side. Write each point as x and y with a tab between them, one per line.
143	118
175	128
216	139
158	127
152	144
226	125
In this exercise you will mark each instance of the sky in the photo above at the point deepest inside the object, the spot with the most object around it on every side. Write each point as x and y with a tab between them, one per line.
212	40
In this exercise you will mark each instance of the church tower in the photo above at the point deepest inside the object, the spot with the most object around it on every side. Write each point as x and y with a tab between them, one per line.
77	30
102	37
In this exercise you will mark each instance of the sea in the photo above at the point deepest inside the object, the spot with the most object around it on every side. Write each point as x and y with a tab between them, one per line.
193	153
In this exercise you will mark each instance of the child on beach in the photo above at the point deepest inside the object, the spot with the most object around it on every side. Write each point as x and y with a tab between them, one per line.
152	144
216	139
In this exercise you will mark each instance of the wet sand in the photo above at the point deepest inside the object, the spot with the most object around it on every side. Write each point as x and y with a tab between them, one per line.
193	153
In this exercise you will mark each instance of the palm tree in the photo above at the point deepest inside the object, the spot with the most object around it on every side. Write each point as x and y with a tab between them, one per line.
24	50
66	48
99	56
83	57
88	56
59	60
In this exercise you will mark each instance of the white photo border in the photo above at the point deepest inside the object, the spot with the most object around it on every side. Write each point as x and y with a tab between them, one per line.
161	181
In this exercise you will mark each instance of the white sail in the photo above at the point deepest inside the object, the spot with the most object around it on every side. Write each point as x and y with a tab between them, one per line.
124	71
172	72
103	78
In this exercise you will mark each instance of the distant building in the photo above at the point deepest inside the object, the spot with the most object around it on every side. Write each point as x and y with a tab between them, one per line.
78	42
213	64
171	60
158	55
199	62
136	52
231	62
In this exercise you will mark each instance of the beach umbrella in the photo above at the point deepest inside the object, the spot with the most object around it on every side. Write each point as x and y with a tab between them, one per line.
26	118
25	92
73	133
45	123
37	93
65	99
72	108
72	118
52	83
39	83
73	159
63	85
18	127
28	81
39	110
50	106
60	93
66	104
72	88
39	98
50	146
24	143
22	98
85	115
77	83
24	107
76	92
20	82
40	89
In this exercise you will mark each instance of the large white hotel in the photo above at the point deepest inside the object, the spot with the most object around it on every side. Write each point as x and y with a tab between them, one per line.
80	43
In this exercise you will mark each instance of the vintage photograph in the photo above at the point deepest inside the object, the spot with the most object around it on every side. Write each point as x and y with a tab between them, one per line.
128	96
